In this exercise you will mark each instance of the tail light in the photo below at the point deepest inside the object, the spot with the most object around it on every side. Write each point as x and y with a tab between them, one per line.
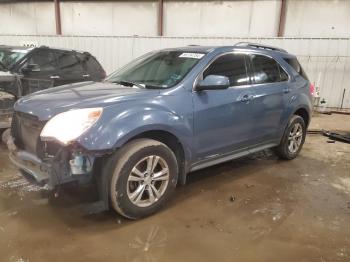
312	89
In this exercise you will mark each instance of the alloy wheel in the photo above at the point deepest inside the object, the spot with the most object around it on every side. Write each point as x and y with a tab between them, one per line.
148	181
295	138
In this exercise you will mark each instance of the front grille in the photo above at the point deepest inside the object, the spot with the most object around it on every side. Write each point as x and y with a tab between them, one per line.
26	130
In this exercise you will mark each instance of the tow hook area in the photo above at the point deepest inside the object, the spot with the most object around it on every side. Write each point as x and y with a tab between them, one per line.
80	163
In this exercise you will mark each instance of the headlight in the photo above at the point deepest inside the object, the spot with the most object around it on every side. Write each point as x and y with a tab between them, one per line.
67	126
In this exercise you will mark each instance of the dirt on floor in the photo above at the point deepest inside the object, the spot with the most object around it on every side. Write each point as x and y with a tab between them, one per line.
258	208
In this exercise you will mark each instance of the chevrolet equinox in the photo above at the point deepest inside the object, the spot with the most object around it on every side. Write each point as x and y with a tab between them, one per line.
136	135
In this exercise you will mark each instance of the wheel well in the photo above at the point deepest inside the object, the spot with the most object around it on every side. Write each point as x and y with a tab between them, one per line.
173	143
304	114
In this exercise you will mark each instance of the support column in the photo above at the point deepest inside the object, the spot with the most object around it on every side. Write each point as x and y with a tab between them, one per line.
58	17
282	20
160	17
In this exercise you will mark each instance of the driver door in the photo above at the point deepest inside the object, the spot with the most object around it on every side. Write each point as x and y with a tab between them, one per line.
222	118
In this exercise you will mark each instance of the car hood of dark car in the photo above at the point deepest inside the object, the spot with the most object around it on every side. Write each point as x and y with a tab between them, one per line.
47	103
6	76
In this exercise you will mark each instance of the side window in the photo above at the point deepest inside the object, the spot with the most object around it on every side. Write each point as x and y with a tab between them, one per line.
92	65
293	62
267	70
231	65
45	59
68	61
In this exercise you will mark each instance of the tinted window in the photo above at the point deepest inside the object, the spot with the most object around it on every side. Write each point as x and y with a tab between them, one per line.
267	70
45	59
293	62
233	66
92	64
68	61
8	57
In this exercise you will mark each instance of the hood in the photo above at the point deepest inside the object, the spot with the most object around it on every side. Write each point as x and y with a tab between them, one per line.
6	76
50	102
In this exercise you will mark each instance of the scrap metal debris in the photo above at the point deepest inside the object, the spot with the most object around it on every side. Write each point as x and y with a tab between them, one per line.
339	136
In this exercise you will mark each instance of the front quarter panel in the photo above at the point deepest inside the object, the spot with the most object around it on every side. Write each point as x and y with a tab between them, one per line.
123	121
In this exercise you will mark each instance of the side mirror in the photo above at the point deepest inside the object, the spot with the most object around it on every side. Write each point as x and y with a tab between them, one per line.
31	68
213	82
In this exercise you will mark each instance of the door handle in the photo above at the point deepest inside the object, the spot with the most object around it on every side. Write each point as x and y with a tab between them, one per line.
54	77
86	75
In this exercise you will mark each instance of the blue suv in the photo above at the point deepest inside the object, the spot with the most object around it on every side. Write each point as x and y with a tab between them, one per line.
136	135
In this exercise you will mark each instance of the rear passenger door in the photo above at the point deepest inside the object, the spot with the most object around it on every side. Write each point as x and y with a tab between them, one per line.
270	95
70	68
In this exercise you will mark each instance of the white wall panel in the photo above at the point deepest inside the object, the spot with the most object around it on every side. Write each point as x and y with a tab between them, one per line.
253	18
317	18
27	18
109	18
221	18
326	61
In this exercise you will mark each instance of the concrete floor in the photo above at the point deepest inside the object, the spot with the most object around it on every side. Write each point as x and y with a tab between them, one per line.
282	211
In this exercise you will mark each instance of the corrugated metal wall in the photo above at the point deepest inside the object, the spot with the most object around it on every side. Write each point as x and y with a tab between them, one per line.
326	61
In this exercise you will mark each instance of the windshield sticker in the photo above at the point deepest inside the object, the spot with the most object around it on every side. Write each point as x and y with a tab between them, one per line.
192	55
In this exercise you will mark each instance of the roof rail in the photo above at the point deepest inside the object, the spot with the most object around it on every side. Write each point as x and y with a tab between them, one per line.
260	46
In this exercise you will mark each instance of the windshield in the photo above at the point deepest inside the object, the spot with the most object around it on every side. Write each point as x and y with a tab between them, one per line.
162	69
9	57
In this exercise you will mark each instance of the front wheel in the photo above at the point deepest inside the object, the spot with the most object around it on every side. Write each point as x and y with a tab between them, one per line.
293	139
143	176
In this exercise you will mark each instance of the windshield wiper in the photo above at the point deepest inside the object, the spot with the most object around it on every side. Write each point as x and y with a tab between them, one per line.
128	83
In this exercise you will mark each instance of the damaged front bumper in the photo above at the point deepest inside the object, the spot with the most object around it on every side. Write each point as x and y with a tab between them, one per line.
52	171
31	167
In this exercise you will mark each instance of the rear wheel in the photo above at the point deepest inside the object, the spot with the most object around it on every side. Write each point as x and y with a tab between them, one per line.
293	138
143	176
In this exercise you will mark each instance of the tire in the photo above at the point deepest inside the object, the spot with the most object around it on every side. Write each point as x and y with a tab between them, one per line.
285	149
135	191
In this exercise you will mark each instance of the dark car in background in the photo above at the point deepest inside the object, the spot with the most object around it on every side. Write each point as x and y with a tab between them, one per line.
26	70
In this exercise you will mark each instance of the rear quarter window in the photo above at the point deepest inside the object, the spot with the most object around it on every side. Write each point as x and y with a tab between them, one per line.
293	62
91	65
